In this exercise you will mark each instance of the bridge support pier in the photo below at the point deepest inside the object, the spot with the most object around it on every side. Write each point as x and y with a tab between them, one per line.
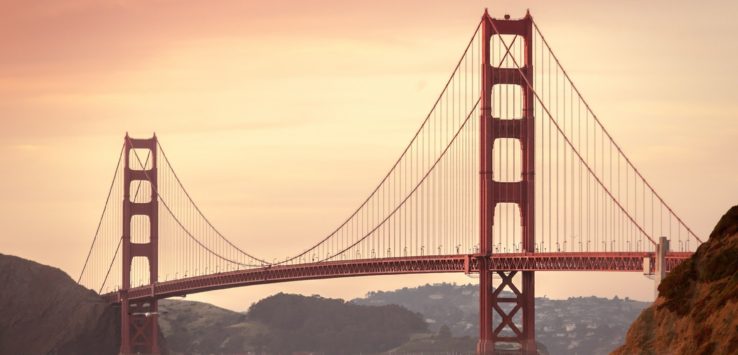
139	320
660	265
515	331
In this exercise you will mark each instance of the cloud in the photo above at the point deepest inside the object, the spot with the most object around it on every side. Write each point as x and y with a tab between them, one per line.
27	147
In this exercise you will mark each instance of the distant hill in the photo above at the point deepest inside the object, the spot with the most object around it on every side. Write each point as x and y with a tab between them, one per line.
201	328
581	325
375	324
286	323
697	308
43	311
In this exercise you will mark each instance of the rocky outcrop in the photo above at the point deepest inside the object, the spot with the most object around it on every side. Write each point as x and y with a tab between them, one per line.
43	311
697	308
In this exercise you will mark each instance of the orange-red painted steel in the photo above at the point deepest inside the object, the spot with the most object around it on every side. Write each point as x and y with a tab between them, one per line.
139	326
624	262
494	192
486	187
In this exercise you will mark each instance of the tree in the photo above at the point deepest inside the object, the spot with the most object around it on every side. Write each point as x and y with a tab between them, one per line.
444	332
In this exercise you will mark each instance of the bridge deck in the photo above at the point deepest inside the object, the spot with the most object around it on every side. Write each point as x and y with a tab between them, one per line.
607	261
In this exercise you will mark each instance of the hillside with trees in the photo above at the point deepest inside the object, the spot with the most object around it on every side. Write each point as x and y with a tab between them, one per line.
583	325
286	323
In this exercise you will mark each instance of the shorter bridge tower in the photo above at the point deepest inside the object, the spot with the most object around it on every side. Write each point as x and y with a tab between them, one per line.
139	320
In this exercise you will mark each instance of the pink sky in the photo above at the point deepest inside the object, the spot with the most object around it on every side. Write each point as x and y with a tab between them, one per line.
246	96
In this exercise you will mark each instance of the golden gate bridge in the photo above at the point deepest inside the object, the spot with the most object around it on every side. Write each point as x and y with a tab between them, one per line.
510	173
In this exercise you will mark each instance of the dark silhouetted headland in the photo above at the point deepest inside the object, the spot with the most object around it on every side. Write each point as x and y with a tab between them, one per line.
43	311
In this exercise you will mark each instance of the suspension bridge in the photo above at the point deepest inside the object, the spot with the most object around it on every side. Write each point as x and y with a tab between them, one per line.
510	173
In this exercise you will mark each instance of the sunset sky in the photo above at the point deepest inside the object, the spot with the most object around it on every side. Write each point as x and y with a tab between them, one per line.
281	116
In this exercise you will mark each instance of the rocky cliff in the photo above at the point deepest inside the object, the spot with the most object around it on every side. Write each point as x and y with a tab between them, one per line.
697	308
43	311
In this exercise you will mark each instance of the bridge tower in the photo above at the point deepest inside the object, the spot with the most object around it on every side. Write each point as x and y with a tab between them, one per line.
520	193
139	320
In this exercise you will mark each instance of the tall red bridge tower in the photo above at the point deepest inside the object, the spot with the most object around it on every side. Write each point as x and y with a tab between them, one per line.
139	319
493	193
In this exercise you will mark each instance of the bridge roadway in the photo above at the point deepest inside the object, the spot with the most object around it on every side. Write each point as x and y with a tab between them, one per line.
569	261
